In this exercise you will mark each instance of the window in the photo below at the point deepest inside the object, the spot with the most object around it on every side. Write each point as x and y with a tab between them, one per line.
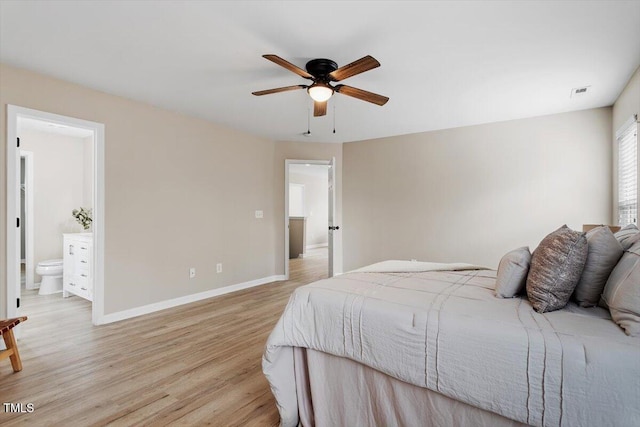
627	139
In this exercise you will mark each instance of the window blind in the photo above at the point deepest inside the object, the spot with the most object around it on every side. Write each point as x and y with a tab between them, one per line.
627	138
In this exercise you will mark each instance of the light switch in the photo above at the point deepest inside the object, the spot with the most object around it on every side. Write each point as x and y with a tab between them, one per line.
259	214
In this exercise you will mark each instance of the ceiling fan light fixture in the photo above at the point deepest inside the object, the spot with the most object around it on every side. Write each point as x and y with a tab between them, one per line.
320	92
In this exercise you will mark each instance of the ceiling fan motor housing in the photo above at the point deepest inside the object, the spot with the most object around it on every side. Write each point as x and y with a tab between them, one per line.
320	68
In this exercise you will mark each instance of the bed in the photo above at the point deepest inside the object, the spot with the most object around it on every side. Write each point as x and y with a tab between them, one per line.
412	343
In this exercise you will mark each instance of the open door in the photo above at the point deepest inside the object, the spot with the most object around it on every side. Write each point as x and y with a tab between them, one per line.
333	228
26	214
13	223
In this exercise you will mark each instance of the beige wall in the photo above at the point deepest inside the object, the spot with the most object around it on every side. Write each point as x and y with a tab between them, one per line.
627	104
180	192
58	184
316	205
306	151
471	194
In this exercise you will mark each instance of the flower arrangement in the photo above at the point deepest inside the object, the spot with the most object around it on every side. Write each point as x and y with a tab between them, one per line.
83	216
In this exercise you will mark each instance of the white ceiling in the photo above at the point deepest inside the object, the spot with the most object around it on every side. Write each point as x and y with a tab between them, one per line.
444	64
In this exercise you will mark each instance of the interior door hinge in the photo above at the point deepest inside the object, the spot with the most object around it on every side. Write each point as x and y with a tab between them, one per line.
18	303
18	142
18	222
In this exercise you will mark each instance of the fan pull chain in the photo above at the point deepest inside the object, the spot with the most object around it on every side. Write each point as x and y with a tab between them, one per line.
308	132
334	119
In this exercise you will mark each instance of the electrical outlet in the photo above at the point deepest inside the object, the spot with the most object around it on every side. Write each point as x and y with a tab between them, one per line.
192	272
259	214
219	267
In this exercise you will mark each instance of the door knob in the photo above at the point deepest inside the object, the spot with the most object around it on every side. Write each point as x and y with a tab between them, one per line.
337	227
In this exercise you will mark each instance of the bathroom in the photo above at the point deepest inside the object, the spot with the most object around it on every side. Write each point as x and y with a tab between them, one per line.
57	177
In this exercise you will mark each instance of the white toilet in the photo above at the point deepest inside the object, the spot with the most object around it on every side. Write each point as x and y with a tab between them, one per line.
51	272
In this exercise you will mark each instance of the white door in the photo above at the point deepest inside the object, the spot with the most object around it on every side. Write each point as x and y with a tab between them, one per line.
26	223
333	228
13	222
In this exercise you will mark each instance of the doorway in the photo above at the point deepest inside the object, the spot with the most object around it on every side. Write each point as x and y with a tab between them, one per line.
93	136
26	216
309	217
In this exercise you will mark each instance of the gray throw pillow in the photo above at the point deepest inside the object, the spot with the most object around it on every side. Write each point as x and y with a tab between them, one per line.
603	255
622	292
556	266
627	236
512	273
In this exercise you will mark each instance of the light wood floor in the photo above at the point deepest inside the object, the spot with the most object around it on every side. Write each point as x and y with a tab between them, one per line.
198	364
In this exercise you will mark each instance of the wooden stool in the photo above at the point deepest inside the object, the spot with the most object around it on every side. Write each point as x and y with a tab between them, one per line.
11	352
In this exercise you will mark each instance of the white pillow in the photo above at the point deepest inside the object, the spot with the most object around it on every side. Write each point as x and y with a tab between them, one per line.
512	273
604	252
627	236
622	292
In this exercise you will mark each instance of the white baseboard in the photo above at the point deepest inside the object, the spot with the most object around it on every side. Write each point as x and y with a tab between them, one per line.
319	245
163	305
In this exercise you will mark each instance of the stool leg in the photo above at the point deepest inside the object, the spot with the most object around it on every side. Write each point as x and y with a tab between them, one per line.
10	343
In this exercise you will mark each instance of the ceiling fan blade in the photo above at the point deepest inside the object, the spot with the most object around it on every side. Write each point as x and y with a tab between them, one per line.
279	89
360	66
361	94
288	65
319	108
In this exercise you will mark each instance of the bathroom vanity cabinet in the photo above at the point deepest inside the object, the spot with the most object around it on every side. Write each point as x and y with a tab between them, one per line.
77	274
297	236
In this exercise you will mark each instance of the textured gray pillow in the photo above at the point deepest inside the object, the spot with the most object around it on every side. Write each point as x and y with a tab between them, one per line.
556	266
512	273
627	236
603	255
622	292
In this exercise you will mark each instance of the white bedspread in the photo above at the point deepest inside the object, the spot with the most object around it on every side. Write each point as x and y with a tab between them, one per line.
402	266
446	331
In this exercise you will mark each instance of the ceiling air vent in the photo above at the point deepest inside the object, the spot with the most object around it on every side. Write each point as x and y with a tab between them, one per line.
577	92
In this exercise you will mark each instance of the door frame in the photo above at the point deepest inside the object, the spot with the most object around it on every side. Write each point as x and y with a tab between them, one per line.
287	162
27	222
13	204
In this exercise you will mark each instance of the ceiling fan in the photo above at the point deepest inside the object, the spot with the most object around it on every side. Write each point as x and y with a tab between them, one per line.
322	72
